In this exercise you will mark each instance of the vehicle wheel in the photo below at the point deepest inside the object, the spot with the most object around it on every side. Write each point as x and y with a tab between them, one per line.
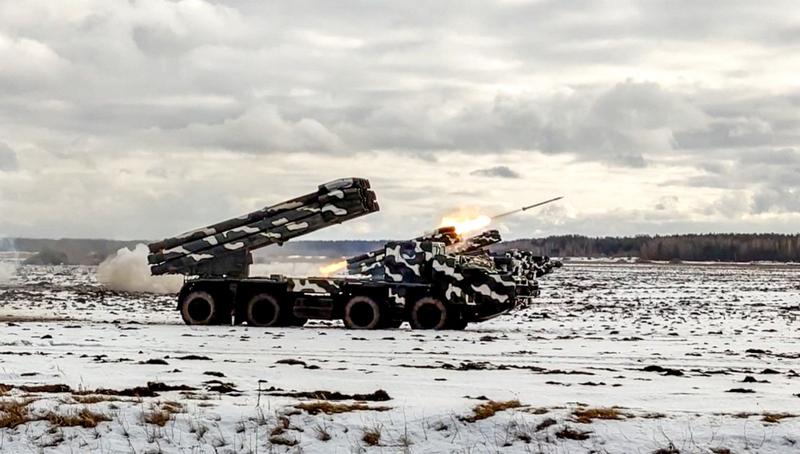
428	313
262	310
362	312
223	317
456	323
199	308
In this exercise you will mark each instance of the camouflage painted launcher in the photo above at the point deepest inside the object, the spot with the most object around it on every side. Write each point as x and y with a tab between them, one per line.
226	245
477	243
371	263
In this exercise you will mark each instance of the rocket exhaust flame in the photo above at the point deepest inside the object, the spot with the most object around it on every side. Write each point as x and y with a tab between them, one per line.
332	268
466	224
469	223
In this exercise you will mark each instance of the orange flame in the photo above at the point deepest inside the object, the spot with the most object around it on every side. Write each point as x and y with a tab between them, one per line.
464	224
332	268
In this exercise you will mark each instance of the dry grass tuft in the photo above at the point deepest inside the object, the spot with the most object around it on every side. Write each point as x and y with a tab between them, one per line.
322	433
160	415
196	396
11	404
92	398
281	427
372	435
14	413
59	388
547	422
668	450
157	417
172	407
282	440
4	389
587	415
82	418
489	409
330	408
572	434
776	417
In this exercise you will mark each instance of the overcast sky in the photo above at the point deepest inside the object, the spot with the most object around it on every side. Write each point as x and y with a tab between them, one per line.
143	119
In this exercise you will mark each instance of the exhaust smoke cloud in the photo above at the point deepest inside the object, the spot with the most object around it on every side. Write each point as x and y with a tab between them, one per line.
128	271
7	271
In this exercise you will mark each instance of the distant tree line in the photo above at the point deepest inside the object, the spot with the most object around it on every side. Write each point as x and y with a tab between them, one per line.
729	247
709	247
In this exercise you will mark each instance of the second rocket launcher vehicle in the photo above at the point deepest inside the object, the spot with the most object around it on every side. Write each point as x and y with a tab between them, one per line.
223	249
371	263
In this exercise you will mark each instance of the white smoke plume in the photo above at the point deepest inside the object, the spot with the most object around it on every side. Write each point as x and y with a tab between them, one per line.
7	271
128	271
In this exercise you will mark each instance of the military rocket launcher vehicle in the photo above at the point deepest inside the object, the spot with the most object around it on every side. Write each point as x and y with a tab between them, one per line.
522	266
420	282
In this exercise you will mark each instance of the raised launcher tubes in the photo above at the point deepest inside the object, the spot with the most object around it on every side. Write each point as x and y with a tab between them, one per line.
223	249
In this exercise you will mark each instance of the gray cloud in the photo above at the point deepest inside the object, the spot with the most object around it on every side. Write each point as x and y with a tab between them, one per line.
202	108
8	158
496	172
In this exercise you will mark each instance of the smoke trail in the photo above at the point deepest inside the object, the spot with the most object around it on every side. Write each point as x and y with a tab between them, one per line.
8	269
128	271
7	272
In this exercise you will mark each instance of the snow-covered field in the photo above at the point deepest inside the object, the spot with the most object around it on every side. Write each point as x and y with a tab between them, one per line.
619	358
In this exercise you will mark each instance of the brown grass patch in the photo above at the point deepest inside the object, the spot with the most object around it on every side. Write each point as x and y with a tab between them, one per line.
45	388
547	422
93	398
14	413
587	415
4	389
160	415
157	417
84	418
489	409
372	436
776	417
330	408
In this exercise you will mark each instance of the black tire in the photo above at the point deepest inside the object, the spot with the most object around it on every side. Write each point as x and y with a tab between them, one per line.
199	308
456	323
263	310
428	313
362	312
